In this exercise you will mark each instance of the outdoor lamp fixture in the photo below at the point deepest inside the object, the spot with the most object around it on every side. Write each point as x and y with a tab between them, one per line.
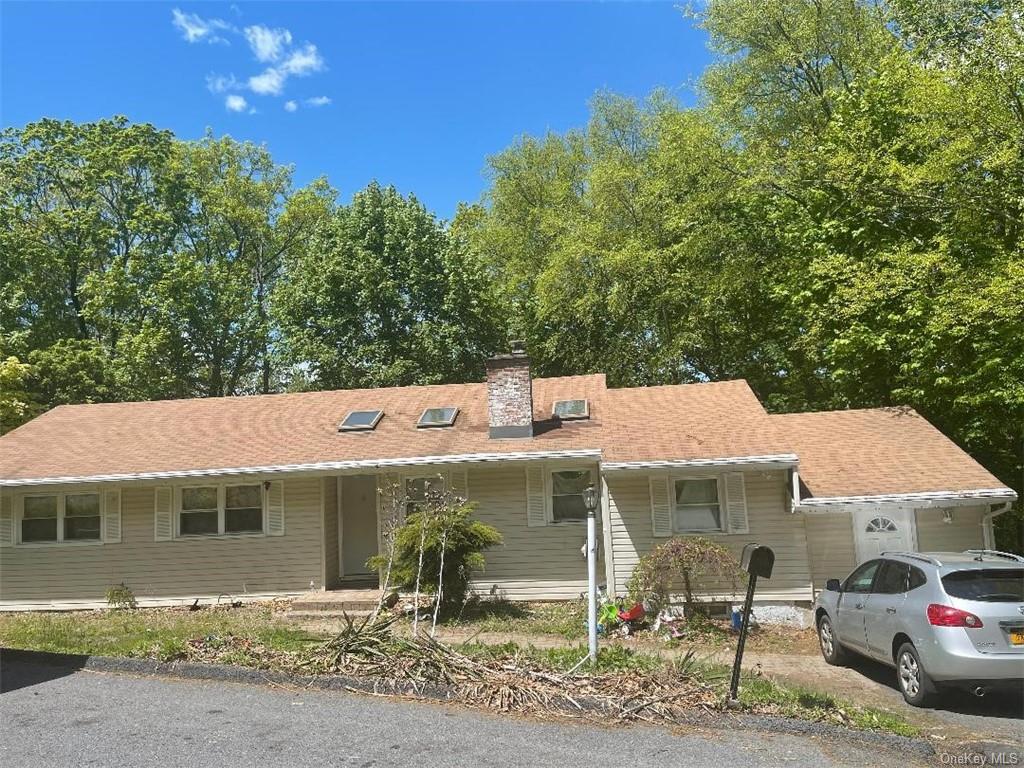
590	500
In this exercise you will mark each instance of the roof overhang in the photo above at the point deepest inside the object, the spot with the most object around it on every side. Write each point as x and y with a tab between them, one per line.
773	461
919	499
322	467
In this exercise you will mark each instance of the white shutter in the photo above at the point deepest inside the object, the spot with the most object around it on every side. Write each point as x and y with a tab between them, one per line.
536	496
112	516
163	515
6	525
736	503
458	483
661	506
275	508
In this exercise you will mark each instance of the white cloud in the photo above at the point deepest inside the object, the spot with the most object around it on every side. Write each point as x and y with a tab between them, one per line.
290	106
267	44
319	101
303	61
194	28
221	83
269	83
236	103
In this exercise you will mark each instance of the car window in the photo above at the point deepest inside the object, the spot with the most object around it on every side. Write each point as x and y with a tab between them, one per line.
892	578
917	578
989	585
860	580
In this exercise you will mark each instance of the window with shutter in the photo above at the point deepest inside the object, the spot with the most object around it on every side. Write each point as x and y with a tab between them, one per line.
6	525
112	516
275	508
736	503
163	514
536	496
661	506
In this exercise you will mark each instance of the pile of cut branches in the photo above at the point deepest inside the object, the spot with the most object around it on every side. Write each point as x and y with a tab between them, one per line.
506	680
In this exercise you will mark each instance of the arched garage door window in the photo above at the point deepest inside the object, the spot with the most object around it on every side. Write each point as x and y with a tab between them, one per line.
881	525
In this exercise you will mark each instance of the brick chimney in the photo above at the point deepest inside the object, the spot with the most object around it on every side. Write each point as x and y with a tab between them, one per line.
510	394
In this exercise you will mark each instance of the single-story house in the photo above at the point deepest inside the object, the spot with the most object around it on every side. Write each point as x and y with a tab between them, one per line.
278	494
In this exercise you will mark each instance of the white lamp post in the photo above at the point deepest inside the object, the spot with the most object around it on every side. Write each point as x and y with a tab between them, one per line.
590	500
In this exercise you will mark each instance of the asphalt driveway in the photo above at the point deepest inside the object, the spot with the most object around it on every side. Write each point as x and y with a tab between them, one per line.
53	716
959	716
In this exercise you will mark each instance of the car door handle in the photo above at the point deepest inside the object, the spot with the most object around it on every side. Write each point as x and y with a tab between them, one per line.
890	610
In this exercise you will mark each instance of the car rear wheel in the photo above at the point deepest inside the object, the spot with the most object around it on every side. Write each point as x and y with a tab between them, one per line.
831	650
915	685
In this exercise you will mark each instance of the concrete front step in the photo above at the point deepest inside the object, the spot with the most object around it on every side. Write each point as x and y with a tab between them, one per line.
339	616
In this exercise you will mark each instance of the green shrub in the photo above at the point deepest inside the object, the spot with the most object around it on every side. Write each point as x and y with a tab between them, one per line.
680	563
443	530
121	597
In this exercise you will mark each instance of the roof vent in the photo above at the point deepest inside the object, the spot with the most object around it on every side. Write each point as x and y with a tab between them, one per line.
569	410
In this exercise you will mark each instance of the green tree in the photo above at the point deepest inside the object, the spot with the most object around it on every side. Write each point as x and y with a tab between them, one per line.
383	295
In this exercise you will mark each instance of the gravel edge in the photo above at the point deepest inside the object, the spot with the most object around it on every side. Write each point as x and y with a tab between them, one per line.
441	693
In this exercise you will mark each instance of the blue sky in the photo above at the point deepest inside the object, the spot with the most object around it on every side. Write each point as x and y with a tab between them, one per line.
411	94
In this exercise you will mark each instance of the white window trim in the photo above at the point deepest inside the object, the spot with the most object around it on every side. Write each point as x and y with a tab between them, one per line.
722	521
361	427
19	515
549	496
421	424
221	499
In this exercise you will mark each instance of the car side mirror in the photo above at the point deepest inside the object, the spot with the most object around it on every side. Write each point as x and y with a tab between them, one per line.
833	585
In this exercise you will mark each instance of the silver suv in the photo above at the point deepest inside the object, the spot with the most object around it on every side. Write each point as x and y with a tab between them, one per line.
942	619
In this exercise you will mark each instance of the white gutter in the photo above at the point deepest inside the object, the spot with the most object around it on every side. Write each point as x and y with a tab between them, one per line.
321	466
987	530
775	461
925	498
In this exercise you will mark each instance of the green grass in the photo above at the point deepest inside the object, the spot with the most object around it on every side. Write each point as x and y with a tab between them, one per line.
565	619
161	633
610	659
765	696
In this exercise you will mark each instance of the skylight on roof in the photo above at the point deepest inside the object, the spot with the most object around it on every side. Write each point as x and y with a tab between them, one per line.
356	420
438	417
571	409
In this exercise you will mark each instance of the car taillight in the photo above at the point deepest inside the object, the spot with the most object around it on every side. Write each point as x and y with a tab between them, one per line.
948	616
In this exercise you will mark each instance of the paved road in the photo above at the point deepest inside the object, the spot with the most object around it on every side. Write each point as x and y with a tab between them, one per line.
52	717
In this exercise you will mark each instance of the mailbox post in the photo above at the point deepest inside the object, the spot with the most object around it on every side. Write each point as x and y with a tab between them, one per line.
757	561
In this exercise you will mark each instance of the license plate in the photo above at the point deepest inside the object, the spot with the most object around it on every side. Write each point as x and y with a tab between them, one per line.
1017	637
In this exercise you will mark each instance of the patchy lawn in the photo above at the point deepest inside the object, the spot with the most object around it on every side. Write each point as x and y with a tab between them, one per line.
568	620
628	681
160	633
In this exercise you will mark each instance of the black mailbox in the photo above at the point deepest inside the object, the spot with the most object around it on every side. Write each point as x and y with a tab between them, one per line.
758	560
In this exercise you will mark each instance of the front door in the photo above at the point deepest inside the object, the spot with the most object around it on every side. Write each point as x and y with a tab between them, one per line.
358	524
879	530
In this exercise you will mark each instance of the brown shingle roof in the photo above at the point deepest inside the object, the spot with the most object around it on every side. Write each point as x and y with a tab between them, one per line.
842	453
279	430
692	421
878	451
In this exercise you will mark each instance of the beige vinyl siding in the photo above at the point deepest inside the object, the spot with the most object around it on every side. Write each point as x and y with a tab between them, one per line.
830	545
770	524
184	568
533	563
965	532
330	538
